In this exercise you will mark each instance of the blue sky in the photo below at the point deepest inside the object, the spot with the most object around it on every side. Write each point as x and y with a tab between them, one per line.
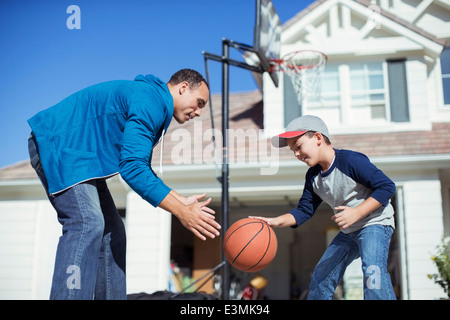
42	61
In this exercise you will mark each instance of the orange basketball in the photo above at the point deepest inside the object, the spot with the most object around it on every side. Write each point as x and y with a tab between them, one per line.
250	244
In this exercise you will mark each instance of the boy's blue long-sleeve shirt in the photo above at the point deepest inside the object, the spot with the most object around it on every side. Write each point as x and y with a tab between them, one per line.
350	180
103	130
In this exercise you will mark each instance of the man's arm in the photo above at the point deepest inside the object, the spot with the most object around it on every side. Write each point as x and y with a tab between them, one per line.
140	135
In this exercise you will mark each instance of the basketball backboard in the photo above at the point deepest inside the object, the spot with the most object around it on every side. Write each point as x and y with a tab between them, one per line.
267	37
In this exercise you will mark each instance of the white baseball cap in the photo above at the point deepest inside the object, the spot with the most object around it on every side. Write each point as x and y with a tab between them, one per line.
298	127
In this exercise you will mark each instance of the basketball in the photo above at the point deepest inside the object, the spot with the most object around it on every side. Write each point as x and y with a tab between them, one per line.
250	244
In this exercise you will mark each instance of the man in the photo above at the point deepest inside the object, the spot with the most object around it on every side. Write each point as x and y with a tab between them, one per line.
100	131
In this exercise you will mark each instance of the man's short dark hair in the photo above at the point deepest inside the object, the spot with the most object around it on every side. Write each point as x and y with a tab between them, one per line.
192	77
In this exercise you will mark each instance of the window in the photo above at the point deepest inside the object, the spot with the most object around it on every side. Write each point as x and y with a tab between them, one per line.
398	90
328	104
367	89
351	93
328	101
445	68
330	87
292	107
358	93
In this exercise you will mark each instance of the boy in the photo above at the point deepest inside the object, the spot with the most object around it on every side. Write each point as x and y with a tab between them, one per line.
359	194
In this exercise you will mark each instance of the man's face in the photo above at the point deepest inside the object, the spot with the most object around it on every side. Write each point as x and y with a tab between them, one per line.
188	103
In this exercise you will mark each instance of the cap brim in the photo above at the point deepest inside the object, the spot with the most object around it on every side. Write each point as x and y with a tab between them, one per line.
280	140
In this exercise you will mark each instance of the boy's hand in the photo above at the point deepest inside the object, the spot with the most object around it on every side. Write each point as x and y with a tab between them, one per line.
349	216
285	220
346	217
268	220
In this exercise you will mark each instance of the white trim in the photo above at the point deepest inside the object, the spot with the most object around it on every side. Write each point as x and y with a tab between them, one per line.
445	3
402	244
290	34
420	10
202	171
38	243
20	182
104	177
293	30
393	26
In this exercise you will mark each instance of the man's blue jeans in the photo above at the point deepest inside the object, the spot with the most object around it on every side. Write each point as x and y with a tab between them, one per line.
90	258
372	245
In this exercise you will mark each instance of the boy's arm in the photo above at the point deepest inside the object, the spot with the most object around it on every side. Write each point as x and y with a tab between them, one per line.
366	173
348	216
363	171
285	220
307	205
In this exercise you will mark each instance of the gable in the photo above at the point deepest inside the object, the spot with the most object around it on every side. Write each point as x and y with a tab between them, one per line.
432	16
356	28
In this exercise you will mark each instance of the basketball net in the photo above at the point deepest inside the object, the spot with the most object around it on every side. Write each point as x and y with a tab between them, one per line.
304	68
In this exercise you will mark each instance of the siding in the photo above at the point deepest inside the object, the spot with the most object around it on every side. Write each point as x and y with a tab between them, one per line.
28	238
148	246
424	229
416	73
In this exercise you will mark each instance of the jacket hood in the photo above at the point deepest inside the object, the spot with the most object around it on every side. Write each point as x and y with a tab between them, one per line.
157	83
150	79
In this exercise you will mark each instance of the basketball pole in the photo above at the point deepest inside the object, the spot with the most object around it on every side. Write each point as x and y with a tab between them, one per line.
225	167
224	180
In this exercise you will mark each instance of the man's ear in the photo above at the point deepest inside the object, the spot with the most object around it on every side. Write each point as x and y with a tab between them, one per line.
183	87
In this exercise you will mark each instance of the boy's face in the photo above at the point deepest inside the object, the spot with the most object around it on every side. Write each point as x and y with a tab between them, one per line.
305	148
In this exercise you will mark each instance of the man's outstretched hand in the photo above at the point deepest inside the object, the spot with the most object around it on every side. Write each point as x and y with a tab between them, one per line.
195	215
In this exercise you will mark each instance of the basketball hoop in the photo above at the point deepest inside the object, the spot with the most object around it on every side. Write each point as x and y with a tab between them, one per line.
304	67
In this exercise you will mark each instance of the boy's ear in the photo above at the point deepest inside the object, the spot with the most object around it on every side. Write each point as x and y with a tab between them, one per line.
319	137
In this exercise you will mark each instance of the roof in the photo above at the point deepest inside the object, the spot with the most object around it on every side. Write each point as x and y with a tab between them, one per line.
246	114
17	171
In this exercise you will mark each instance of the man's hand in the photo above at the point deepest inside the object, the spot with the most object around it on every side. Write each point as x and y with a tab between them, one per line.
200	219
193	214
196	198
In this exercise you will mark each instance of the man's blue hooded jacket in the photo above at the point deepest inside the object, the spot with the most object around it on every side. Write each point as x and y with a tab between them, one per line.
103	130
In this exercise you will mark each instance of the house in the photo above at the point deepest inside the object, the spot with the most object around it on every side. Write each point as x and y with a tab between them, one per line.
385	92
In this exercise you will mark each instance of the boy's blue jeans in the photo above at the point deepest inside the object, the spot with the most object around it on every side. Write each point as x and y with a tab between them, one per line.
372	245
90	258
